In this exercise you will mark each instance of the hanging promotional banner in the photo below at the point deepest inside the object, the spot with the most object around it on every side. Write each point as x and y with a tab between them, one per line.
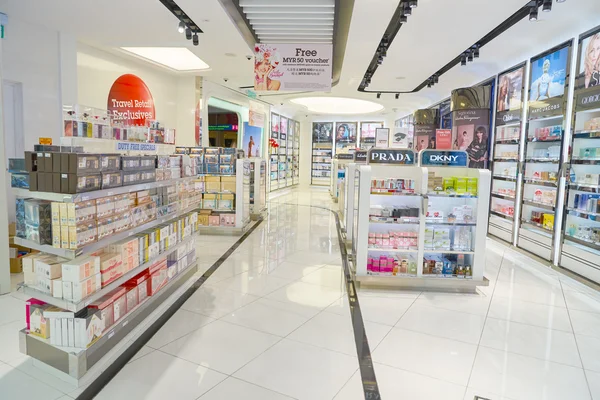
451	158
256	115
443	139
391	156
198	123
293	67
382	137
130	101
400	137
587	86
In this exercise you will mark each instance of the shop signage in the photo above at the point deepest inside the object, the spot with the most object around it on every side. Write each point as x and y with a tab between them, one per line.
367	140
360	156
382	137
508	117
391	156
344	156
450	158
587	99
293	67
223	128
130	101
135	146
443	139
546	108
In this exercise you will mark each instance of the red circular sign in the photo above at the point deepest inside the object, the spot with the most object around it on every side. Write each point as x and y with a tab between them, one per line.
130	101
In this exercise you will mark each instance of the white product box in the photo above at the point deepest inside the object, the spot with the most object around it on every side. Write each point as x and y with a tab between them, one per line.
80	268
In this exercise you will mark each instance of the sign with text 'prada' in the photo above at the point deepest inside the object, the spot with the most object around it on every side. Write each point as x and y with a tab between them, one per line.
391	156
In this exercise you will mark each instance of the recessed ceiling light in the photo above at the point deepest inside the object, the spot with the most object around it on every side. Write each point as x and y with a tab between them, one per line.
337	105
177	58
229	55
400	77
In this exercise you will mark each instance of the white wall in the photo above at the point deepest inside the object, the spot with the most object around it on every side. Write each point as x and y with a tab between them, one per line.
30	56
173	95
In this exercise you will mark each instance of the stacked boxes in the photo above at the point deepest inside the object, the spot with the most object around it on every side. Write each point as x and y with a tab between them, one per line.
38	221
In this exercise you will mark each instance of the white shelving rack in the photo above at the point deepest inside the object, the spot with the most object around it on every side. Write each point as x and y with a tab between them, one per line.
425	202
258	186
338	171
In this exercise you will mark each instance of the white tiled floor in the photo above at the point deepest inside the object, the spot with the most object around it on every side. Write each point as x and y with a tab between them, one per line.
273	323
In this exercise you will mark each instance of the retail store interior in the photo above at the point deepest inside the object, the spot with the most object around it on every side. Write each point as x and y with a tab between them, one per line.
300	199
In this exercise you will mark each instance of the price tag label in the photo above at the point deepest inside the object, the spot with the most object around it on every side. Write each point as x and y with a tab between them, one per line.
111	334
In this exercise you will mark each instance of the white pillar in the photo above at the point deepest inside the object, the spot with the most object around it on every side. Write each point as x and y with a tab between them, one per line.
4	253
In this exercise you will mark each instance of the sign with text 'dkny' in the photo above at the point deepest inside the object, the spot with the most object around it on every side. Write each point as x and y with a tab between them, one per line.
441	158
391	156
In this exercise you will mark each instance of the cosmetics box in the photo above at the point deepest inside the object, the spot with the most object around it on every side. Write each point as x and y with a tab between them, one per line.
140	282
225	202
80	268
112	179
129	163
158	277
38	324
120	305
31	161
79	163
49	268
88	327
214	220
40	234
131	297
110	162
80	290
147	162
82	234
79	212
111	267
131	177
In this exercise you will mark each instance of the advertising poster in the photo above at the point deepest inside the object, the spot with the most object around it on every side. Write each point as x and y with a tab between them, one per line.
198	123
130	101
470	133
283	128
425	136
548	75
382	136
345	132
367	132
322	132
588	72
274	126
510	90
252	140
293	67
400	138
443	139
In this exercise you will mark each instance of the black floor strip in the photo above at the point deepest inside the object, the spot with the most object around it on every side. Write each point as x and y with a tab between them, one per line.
365	362
105	377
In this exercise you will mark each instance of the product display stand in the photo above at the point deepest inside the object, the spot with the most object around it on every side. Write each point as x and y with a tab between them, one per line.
258	187
421	227
338	169
321	163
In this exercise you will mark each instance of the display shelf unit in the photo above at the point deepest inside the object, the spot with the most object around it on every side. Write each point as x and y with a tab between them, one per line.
258	187
76	364
425	205
338	175
322	156
95	246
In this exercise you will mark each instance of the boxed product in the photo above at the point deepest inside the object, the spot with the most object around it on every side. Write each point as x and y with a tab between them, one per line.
79	163
110	162
209	200
140	282
82	234
131	297
213	183
548	221
226	202
131	177
88	327
158	277
77	291
82	211
112	179
111	267
214	220
38	324
80	268
147	162
49	268
129	163
228	184
120	304
73	183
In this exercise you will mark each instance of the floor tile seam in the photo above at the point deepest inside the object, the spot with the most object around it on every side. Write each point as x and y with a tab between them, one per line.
345	383
436	336
354	356
314	316
280	302
527	301
252	294
36	378
540	285
529	325
545	360
12	322
449	309
483	328
181	337
577	345
393	326
324	286
250	383
192	362
140	357
421	374
258	355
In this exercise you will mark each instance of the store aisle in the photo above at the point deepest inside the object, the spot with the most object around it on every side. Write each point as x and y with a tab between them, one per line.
273	323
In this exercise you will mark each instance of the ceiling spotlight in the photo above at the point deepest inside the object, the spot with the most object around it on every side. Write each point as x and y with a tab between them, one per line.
188	33
463	60
469	56
379	95
379	60
533	13
397	96
181	27
407	9
560	1
436	78
195	41
428	83
413	3
476	51
547	5
403	19
382	51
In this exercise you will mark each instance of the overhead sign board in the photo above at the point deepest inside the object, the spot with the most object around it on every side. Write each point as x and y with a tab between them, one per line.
448	158
391	156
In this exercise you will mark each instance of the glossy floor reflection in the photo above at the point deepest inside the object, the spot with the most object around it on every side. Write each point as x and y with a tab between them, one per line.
273	323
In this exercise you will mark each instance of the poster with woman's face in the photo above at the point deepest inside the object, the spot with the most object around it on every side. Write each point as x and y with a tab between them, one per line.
510	90
274	123
588	74
322	132
283	125
345	132
548	75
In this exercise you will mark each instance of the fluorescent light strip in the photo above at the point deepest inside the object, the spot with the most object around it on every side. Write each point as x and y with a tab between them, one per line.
294	28
276	10
295	32
176	58
292	16
284	22
287	3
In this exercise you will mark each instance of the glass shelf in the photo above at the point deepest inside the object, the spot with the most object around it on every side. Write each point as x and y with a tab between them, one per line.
538	204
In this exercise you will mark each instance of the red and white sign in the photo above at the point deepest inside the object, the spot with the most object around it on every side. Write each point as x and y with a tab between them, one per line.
130	101
443	139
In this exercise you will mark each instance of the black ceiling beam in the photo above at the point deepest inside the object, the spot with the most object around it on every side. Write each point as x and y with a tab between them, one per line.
181	15
395	25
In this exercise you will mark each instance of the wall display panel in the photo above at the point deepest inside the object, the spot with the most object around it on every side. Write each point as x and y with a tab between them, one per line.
345	136
543	151
505	160
367	134
580	247
322	153
274	154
